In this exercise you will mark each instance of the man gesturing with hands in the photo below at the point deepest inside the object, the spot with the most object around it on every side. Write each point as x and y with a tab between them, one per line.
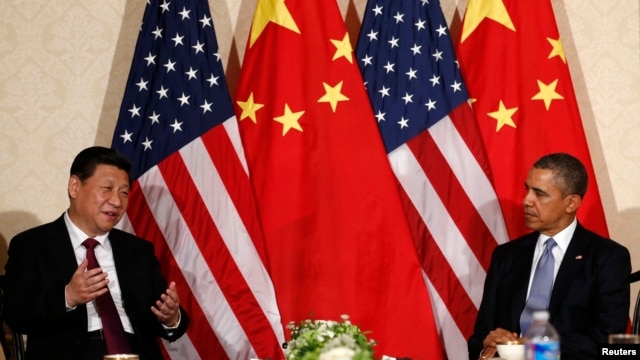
65	304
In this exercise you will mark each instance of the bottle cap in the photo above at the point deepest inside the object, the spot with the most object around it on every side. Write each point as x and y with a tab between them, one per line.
542	315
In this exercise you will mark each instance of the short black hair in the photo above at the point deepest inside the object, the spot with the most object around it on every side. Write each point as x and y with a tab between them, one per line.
569	173
85	163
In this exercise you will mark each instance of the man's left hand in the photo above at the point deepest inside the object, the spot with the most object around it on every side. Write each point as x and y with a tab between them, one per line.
167	308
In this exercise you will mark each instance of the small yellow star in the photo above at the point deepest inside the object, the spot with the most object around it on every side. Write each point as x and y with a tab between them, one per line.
343	48
333	95
274	11
478	10
504	116
547	93
557	49
249	109
289	120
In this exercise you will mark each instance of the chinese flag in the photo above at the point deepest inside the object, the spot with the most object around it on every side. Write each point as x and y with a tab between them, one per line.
516	72
337	238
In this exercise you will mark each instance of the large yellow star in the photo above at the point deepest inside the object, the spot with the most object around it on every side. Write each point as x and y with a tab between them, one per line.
547	93
249	109
504	116
557	50
274	11
332	95
478	10
289	120
343	48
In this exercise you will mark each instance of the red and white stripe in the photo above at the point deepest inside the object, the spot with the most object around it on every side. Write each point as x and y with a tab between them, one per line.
197	207
456	220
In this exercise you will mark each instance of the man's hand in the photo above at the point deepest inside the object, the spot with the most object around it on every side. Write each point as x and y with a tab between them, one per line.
167	308
491	341
85	285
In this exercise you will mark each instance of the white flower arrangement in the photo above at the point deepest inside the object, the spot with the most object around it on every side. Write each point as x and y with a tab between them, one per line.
328	340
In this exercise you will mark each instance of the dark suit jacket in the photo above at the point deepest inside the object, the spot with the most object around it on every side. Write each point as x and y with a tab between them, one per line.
589	300
41	263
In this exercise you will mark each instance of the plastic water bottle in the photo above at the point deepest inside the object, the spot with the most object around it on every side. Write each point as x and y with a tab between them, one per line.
542	341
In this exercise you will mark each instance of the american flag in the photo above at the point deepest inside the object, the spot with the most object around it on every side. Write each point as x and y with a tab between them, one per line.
421	105
191	194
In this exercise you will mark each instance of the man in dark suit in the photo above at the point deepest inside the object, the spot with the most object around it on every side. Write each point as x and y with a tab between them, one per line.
50	292
590	295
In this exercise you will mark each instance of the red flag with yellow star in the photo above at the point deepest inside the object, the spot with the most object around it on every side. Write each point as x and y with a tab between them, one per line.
516	72
337	238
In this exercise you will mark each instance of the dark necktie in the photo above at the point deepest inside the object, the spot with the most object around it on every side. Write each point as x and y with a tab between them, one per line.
114	334
540	286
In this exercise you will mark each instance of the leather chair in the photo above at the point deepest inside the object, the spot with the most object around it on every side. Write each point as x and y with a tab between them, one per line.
635	320
13	345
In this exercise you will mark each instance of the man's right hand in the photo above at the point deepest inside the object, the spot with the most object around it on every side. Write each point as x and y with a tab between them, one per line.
491	341
85	285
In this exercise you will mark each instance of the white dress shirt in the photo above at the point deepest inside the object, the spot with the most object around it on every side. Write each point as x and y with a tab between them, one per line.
562	239
104	255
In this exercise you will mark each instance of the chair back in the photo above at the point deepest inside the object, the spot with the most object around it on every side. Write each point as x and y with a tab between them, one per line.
635	320
12	345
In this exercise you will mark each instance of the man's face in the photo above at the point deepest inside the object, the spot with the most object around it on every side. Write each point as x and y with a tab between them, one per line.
545	208
99	203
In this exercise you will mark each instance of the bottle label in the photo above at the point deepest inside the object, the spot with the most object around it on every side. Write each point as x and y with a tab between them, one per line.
549	350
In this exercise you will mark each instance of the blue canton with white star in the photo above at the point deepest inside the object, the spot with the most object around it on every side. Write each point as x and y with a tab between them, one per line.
176	89
408	62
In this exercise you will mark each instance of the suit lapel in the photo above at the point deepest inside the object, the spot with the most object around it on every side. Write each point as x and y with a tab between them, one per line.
572	263
522	271
60	247
121	259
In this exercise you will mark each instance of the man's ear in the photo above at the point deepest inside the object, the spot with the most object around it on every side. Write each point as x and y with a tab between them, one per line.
572	203
73	186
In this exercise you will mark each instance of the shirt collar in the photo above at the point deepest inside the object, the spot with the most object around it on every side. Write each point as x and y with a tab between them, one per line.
78	236
562	239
